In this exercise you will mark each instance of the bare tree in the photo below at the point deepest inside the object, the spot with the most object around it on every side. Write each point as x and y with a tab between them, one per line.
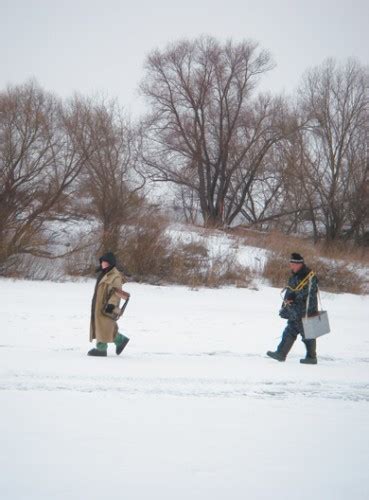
206	133
275	199
110	185
186	200
335	99
358	195
37	169
256	184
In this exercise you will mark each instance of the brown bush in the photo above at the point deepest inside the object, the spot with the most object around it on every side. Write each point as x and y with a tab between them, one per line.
339	278
344	251
276	270
31	268
82	263
147	253
226	271
192	266
144	250
282	243
333	276
188	262
336	275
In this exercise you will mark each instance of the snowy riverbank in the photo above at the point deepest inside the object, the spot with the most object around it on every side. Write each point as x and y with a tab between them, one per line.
192	409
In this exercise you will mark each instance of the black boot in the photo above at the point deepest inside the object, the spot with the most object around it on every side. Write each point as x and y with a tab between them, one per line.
309	361
96	352
276	355
310	358
283	349
120	347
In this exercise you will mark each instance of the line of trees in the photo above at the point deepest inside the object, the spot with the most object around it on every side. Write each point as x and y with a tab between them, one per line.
231	154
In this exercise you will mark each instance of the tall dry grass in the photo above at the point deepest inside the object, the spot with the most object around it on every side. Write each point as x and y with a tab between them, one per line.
281	243
148	254
333	277
336	264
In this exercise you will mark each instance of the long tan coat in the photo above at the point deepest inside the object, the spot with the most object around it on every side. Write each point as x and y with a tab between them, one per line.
102	328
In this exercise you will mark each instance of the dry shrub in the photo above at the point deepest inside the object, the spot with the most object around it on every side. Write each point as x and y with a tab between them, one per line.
281	243
344	251
275	241
83	249
227	271
148	254
16	262
29	267
145	250
188	263
333	276
339	278
192	266
82	263
275	270
336	275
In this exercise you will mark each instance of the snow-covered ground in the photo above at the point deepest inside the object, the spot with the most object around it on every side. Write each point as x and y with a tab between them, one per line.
219	244
192	409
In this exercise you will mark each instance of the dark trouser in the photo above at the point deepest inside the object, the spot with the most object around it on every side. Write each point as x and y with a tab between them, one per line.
294	328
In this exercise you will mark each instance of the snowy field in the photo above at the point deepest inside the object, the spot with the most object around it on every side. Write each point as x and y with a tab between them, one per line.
192	409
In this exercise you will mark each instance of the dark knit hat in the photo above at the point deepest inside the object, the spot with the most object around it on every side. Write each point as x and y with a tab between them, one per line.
109	257
296	258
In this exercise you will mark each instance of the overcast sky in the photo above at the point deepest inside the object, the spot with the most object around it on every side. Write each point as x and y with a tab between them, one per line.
100	46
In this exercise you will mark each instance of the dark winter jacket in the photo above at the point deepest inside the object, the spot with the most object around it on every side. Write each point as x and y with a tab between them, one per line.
297	308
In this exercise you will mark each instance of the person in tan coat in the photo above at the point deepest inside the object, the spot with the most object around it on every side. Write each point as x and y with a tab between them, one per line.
105	302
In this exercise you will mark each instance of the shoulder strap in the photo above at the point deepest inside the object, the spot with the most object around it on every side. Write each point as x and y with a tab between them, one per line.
308	298
302	283
319	298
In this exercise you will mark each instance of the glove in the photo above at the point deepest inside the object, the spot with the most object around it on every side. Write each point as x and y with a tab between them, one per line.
109	308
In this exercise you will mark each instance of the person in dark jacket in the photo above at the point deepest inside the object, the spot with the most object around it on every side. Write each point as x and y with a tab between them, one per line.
103	326
302	283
